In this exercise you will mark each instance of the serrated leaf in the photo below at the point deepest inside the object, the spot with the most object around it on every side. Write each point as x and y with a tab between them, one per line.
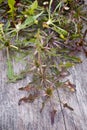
27	88
27	23
29	99
33	7
31	19
60	31
11	4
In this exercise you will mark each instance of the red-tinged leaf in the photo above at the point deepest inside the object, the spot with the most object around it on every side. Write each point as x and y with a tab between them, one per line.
71	86
67	106
52	115
26	88
24	99
29	99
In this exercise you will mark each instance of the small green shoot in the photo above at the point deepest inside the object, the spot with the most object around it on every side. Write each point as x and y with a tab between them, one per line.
10	72
11	4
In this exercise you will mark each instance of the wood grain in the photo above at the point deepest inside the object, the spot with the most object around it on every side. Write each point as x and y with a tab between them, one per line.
27	116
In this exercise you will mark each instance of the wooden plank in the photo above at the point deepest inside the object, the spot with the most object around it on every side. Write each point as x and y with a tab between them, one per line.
26	116
76	120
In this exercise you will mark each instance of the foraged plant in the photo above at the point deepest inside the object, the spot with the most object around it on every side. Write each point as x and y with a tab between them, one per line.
51	35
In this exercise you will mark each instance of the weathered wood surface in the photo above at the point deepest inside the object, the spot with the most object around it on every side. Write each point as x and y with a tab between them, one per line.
28	117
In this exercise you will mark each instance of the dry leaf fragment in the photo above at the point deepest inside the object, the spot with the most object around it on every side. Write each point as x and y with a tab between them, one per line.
25	99
43	104
26	88
67	106
52	115
29	99
71	86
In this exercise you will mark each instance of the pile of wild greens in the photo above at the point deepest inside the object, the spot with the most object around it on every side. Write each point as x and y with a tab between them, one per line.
50	33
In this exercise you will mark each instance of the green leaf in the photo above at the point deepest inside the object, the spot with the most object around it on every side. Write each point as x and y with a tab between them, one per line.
11	4
66	65
1	1
73	58
10	72
60	31
27	23
7	26
74	36
31	19
33	7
